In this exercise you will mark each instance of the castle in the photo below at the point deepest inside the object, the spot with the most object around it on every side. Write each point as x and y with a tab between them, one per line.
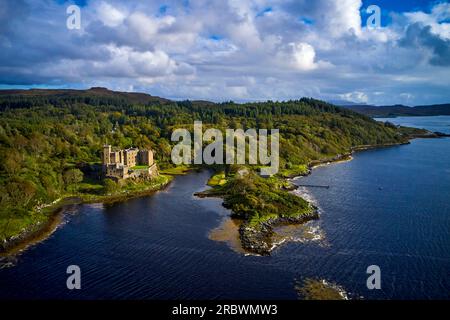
128	163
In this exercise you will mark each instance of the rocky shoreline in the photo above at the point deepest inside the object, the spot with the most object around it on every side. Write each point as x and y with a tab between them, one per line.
259	239
30	235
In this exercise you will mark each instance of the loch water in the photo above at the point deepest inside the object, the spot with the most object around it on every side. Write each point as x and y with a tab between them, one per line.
388	207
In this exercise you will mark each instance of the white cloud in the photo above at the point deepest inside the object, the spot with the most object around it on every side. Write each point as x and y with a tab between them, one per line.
147	65
439	13
343	17
142	26
231	49
109	15
304	56
357	96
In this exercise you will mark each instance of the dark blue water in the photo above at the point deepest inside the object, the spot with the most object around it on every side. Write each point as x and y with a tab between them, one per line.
388	207
438	123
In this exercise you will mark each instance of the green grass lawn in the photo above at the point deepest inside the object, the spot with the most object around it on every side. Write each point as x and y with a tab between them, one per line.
256	199
178	170
12	225
293	171
217	180
139	167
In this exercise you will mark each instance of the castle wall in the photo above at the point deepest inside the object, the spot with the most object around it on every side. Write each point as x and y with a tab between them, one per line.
119	164
145	157
131	156
116	170
117	157
106	159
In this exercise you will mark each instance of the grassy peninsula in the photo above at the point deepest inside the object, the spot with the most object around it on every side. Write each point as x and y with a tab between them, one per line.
260	203
51	142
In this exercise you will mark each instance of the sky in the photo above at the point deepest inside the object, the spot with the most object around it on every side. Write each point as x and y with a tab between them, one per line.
240	50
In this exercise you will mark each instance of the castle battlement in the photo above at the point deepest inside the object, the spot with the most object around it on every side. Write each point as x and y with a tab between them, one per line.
128	163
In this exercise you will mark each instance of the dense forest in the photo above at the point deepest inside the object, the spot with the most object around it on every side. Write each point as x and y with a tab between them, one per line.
51	140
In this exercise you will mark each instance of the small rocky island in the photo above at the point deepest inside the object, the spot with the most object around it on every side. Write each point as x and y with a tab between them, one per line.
260	204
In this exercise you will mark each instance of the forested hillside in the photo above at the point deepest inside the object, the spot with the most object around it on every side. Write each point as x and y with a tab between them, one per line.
51	140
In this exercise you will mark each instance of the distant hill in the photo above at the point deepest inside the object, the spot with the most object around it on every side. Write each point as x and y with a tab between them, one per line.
400	110
9	98
344	103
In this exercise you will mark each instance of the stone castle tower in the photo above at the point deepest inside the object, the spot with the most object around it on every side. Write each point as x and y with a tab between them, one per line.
132	162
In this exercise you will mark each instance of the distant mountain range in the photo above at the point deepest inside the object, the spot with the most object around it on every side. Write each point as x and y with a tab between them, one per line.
400	110
13	97
8	99
99	92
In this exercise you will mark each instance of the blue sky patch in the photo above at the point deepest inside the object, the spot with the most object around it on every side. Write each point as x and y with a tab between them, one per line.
263	12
